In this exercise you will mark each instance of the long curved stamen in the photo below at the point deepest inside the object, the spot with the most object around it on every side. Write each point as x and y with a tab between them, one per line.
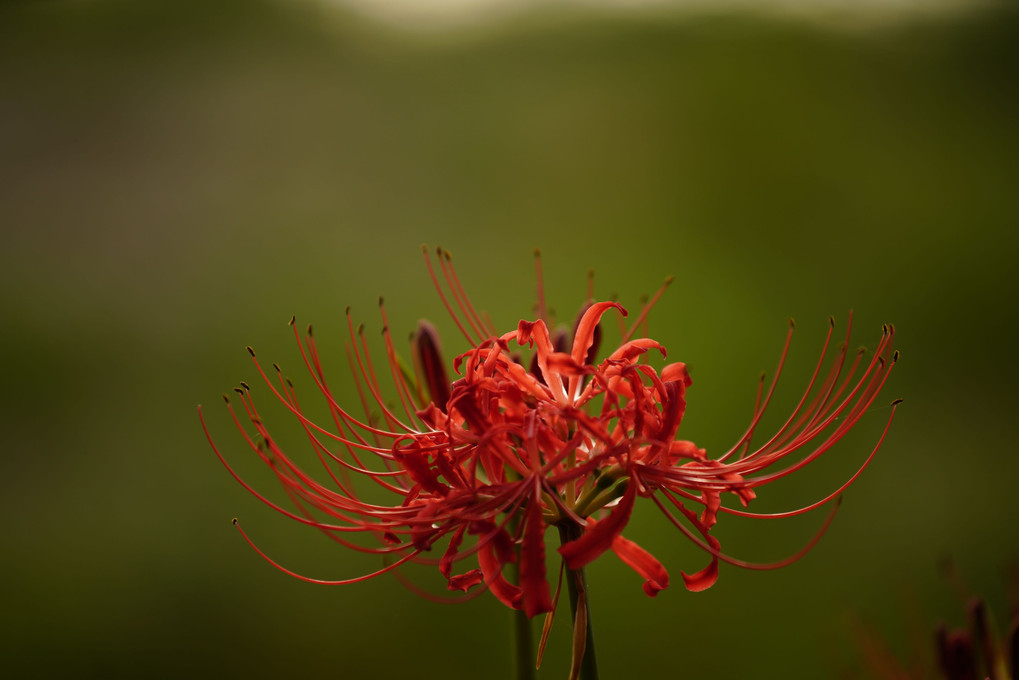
402	389
266	501
377	450
314	366
324	582
686	495
309	353
445	259
806	392
323	451
438	288
743	564
372	383
867	397
767	398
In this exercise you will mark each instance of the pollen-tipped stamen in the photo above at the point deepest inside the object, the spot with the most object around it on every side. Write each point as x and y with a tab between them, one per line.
442	296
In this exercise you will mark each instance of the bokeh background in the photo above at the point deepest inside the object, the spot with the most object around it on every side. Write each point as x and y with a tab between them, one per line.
178	179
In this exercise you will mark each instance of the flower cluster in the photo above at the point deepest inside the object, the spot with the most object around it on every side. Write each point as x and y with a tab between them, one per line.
536	431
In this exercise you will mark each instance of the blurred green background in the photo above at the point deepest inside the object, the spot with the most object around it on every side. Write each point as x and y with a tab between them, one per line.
176	180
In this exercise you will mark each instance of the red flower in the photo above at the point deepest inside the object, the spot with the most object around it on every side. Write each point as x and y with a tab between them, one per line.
513	446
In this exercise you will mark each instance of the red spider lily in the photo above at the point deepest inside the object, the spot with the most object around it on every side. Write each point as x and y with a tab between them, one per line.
511	447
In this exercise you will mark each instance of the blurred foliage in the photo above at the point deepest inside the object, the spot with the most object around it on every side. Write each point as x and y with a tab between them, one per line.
177	179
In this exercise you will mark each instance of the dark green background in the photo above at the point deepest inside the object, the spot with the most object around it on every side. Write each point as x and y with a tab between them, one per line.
175	182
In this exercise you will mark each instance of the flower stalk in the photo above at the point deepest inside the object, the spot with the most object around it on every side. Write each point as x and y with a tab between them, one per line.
585	662
523	641
524	644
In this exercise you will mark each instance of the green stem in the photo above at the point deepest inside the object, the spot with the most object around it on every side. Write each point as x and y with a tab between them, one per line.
576	584
522	629
524	645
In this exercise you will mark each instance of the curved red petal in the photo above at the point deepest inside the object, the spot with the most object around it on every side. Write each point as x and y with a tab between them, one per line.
677	373
464	582
642	562
599	538
706	577
584	337
536	595
703	579
491	568
446	563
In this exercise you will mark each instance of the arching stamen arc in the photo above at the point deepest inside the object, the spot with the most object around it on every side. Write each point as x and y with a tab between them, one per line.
755	566
324	582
